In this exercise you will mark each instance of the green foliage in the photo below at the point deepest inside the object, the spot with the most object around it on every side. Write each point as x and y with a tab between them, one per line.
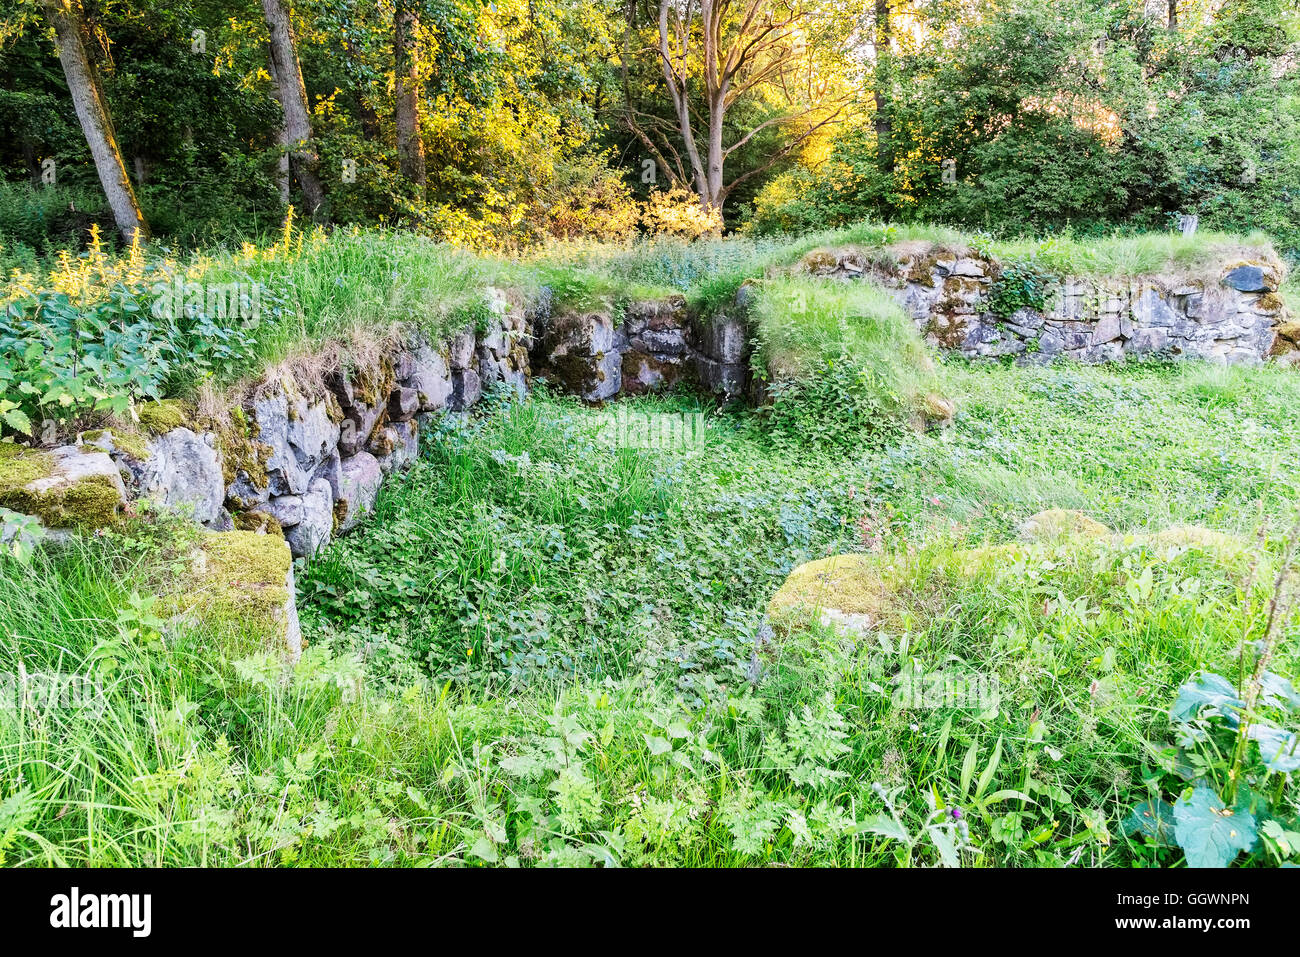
1019	285
1067	115
624	702
845	365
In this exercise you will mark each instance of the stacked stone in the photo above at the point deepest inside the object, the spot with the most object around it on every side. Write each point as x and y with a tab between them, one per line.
653	346
1238	319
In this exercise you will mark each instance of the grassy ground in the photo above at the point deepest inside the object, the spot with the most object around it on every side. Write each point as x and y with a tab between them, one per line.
547	649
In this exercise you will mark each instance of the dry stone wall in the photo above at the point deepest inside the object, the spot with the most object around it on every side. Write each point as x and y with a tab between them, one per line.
306	460
1233	316
648	346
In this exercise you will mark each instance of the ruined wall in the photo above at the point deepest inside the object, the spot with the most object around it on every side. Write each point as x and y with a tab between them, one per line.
644	347
1233	316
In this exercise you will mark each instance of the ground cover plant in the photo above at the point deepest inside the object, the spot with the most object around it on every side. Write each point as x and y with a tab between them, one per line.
545	649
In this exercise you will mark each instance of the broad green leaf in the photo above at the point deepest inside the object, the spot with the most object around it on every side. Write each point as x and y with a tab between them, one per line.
1278	691
1210	833
1150	819
1279	750
1208	691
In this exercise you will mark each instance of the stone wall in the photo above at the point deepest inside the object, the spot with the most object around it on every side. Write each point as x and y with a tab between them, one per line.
1232	316
646	346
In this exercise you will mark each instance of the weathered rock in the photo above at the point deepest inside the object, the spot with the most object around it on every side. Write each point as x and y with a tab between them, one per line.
362	396
466	389
396	446
181	471
430	378
460	351
300	433
403	404
287	510
726	378
1027	319
66	487
312	532
723	339
361	478
1247	278
1107	330
642	373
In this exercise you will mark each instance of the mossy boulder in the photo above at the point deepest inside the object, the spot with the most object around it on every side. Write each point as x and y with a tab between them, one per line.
850	592
858	594
67	487
240	584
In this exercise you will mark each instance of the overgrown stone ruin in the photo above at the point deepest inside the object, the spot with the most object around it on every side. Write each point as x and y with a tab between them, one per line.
1232	316
303	461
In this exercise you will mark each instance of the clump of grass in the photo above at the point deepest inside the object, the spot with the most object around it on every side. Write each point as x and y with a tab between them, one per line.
844	362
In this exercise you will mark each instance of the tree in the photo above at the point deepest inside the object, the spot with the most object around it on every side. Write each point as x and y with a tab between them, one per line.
406	70
92	111
713	53
287	74
880	88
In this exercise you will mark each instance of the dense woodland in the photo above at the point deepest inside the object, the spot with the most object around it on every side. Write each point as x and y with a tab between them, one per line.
502	125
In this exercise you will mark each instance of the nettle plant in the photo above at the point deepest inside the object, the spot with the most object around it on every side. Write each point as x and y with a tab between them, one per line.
1232	745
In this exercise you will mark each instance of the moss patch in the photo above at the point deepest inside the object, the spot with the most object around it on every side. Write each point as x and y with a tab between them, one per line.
20	465
1056	524
91	502
159	418
258	521
240	452
237	583
852	584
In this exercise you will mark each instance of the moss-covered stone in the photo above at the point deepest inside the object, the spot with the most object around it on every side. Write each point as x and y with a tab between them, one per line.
856	594
238	585
257	521
1055	524
20	465
855	589
66	488
159	418
242	452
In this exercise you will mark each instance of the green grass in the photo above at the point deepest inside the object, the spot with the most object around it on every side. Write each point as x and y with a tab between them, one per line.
541	649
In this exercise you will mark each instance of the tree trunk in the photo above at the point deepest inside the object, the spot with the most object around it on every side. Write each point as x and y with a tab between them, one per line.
1173	14
882	123
92	111
281	139
293	100
410	143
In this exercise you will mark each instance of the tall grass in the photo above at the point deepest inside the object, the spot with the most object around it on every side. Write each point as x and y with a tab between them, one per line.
685	735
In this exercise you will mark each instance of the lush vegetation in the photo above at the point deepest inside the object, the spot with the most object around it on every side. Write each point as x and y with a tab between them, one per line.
88	334
551	645
545	649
